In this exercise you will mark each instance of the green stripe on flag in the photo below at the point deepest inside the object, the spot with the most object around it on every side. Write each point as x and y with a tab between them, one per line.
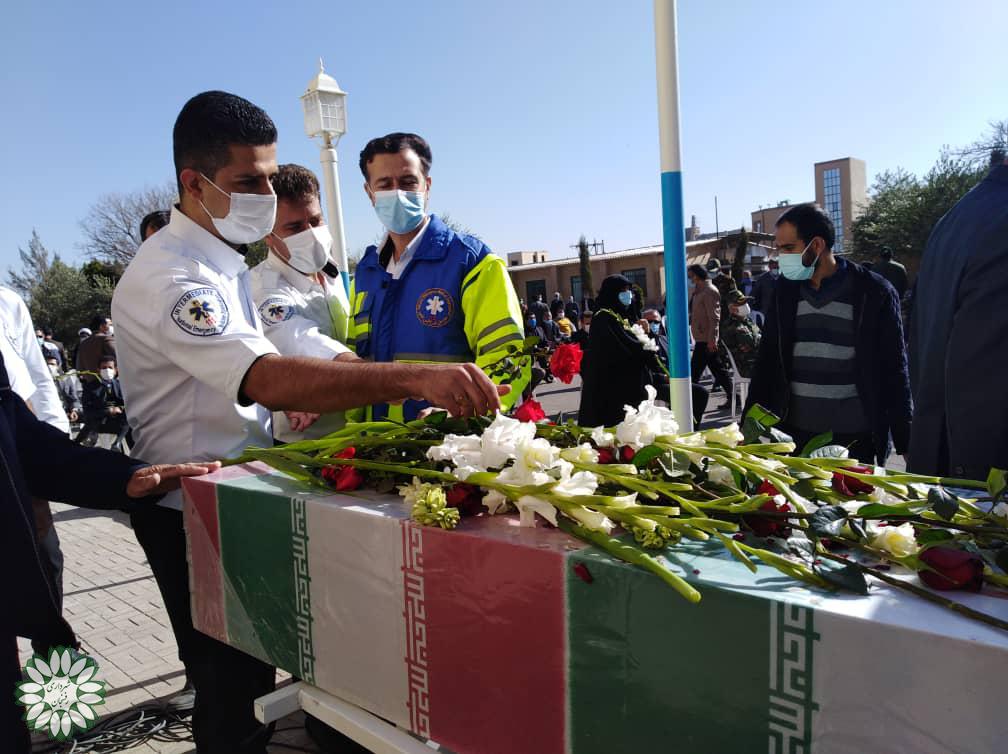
648	671
264	549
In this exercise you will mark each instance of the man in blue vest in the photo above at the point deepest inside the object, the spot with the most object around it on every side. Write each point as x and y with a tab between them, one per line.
427	293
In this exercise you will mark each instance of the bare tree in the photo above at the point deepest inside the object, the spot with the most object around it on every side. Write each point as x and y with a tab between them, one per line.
112	228
991	149
35	264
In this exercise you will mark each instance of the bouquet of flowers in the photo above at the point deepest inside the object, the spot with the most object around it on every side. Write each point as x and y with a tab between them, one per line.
637	489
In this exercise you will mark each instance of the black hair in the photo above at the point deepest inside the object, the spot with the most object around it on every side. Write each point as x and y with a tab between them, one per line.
699	271
886	253
393	144
810	220
295	183
47	331
97	321
157	219
209	124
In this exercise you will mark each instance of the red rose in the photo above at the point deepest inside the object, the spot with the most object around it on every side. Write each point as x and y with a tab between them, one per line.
566	362
530	411
767	488
466	497
627	454
348	452
606	455
956	569
343	478
763	526
849	486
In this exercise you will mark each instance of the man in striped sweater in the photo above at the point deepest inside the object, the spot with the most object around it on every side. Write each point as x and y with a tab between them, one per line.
833	357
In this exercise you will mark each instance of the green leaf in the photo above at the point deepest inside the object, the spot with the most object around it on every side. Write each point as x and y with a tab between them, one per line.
819	441
762	416
931	536
849	577
828	521
1002	559
778	436
874	510
646	455
858	529
996	483
830	451
436	419
943	502
751	430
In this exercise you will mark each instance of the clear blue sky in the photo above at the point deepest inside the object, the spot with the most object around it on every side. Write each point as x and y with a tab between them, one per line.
541	115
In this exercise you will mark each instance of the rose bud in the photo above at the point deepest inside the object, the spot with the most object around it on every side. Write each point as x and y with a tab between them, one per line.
767	488
956	569
849	486
348	478
763	526
606	455
627	454
466	497
530	411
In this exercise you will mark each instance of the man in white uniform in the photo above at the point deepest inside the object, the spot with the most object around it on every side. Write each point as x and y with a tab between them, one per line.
298	293
200	378
31	379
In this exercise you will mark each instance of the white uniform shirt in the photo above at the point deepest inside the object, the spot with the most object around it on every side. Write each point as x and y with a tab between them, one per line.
186	334
26	368
299	317
396	268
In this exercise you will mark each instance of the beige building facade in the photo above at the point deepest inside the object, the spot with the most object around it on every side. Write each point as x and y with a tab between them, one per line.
643	266
842	190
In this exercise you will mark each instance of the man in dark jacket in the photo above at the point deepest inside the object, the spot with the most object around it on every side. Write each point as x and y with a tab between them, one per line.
958	357
763	288
42	461
832	358
892	271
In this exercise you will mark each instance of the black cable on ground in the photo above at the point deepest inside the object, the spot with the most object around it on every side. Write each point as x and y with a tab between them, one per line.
124	730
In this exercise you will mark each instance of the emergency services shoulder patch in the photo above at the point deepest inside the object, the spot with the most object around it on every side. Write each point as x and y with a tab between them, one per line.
276	309
202	312
435	307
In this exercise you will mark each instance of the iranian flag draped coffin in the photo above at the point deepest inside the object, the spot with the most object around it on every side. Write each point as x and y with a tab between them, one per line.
496	638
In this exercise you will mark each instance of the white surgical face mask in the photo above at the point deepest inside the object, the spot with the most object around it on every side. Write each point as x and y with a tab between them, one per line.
107	374
54	370
309	249
249	219
743	311
111	330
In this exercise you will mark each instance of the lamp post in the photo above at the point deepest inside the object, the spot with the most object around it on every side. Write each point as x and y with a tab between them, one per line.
325	116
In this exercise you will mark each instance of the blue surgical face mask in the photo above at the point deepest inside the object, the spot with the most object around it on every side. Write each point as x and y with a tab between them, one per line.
400	211
626	297
654	328
792	268
532	322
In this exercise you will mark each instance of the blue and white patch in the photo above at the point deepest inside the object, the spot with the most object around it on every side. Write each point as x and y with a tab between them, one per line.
435	307
276	309
201	311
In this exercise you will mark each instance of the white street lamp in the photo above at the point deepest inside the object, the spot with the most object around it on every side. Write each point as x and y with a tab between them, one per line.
325	115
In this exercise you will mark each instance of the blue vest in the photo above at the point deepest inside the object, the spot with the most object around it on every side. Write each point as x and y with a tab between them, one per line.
419	317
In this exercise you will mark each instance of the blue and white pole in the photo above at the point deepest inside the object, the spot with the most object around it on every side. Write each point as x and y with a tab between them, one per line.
676	302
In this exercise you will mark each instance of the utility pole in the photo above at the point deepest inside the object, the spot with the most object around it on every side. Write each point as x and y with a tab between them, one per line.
717	229
594	246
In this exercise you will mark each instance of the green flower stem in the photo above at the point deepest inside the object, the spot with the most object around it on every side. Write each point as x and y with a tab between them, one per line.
923	593
784	565
732	547
633	555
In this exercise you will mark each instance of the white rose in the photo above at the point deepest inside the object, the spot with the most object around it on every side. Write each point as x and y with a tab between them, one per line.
720	475
898	540
581	483
601	438
461	450
583	453
536	454
591	519
501	439
645	341
528	506
1001	509
728	435
643	424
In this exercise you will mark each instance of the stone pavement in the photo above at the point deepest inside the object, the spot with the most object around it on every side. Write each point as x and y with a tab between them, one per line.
112	601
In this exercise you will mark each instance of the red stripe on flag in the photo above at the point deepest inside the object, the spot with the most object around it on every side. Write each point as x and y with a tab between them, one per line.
206	576
492	639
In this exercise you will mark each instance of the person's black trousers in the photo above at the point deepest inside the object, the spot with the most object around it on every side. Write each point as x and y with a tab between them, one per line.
704	359
226	680
14	735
